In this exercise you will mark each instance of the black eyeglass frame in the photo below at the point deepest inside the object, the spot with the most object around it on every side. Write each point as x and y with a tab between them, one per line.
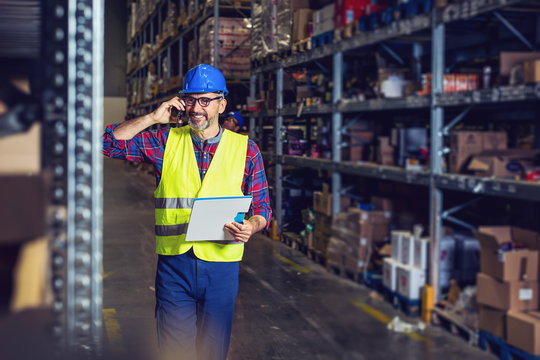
202	100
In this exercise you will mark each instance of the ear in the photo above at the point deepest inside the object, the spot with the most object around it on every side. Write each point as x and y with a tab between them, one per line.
222	105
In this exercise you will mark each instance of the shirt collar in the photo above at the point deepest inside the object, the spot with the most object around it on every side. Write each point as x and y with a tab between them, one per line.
213	140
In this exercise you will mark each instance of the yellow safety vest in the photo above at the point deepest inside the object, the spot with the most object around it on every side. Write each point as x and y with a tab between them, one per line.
181	183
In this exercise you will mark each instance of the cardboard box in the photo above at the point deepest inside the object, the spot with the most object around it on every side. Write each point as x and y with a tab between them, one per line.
492	321
390	273
22	207
421	253
523	331
357	152
515	295
464	144
385	152
502	163
509	59
407	250
397	240
494	140
520	265
302	17
322	201
382	203
21	153
531	71
409	281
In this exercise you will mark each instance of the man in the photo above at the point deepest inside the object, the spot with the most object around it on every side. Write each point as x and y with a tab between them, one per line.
196	283
233	121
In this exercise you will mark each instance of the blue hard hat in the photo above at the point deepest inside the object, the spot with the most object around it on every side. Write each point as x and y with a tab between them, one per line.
204	78
237	116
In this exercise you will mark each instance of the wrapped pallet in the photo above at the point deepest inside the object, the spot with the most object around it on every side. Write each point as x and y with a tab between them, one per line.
234	45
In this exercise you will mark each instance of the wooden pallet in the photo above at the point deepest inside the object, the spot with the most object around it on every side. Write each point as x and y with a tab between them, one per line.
454	325
317	256
346	32
407	306
501	348
301	46
294	240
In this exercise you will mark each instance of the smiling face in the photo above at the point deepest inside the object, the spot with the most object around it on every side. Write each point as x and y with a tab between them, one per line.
203	117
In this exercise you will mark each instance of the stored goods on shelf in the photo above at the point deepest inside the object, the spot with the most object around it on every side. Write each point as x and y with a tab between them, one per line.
507	295
409	281
301	21
509	163
390	273
523	331
492	320
464	144
323	20
234	45
508	253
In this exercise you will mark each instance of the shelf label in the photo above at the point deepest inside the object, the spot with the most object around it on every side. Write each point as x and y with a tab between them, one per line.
525	294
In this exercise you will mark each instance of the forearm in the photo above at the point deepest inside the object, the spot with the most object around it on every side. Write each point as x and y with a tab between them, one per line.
128	129
258	222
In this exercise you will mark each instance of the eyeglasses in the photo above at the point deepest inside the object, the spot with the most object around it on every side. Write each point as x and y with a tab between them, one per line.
203	101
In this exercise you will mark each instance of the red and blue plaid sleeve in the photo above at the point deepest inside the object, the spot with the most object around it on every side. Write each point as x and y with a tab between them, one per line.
255	183
147	146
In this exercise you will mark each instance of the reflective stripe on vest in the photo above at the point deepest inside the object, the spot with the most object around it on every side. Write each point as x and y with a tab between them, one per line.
181	183
174	203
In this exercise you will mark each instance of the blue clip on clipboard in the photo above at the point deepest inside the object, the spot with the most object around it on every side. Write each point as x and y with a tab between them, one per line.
209	216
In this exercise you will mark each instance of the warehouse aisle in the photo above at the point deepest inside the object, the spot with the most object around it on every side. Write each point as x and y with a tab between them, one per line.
287	306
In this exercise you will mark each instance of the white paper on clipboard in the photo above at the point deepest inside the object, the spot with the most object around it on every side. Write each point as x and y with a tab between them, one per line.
209	216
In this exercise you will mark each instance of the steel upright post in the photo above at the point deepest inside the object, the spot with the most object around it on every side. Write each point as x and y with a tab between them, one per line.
279	148
437	123
337	73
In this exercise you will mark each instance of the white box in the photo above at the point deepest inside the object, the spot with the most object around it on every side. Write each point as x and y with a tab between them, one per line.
410	281
421	253
447	249
390	273
322	27
407	250
324	14
396	239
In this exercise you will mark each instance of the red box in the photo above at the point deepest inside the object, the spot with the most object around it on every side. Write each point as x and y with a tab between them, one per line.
348	11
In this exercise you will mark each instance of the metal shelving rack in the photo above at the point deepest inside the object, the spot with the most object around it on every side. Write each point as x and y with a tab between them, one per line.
72	54
436	103
147	29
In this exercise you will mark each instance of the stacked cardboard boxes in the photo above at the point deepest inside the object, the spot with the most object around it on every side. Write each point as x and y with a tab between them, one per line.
322	207
508	285
355	234
234	48
464	144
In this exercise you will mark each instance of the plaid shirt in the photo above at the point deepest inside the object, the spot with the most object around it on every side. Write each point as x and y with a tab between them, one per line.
149	146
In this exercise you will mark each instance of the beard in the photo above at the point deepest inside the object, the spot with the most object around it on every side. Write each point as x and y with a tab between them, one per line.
202	123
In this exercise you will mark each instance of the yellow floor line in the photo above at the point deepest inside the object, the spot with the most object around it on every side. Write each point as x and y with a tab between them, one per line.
106	275
292	264
384	318
114	333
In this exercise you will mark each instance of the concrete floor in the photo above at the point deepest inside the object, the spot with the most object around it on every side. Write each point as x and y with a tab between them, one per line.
287	306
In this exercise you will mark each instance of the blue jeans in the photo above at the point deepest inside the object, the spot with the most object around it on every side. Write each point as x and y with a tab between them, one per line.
195	306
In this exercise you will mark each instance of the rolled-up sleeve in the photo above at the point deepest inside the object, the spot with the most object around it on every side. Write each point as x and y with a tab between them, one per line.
256	184
144	147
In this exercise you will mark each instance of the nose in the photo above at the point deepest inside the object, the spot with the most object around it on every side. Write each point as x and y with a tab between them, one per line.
196	107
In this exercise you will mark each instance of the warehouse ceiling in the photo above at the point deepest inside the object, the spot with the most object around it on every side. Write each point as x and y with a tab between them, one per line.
19	29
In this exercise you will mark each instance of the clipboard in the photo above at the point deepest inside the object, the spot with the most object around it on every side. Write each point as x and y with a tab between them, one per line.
209	216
